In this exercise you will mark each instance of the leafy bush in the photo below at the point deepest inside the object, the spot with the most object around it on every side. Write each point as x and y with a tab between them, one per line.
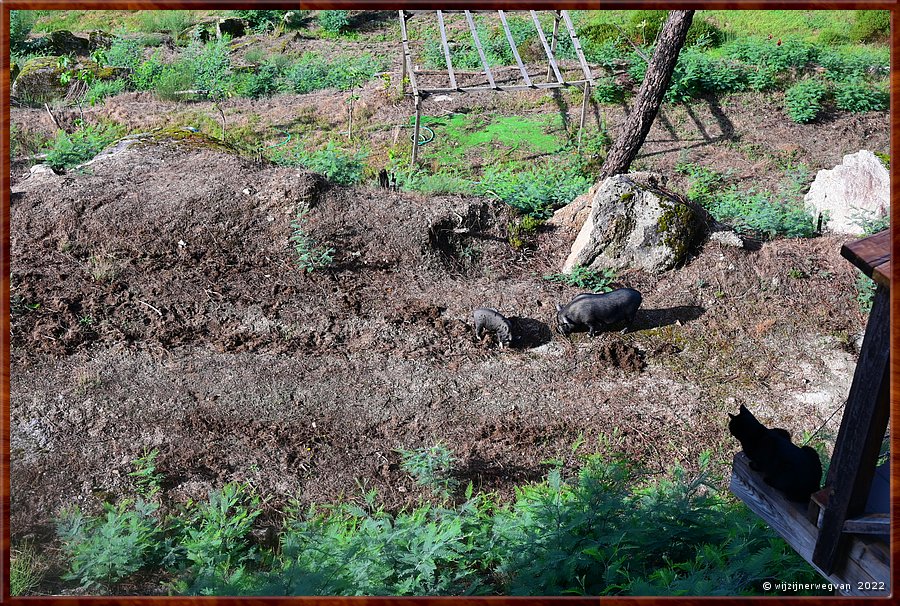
263	81
585	278
856	96
865	292
761	78
599	33
703	33
147	73
758	213
645	26
314	72
696	73
310	255
261	21
607	91
107	549
339	166
870	25
789	53
536	192
333	22
831	37
124	52
20	24
210	67
803	101
855	63
68	150
431	467
100	89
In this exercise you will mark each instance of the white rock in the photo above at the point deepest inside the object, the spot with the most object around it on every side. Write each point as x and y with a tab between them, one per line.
857	189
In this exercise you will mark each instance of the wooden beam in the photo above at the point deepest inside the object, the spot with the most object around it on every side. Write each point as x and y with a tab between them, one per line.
515	51
871	254
407	54
867	561
446	46
514	87
584	106
553	38
575	43
484	62
415	139
873	523
543	38
859	439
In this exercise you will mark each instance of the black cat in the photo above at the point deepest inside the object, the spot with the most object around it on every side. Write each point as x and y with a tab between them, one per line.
785	466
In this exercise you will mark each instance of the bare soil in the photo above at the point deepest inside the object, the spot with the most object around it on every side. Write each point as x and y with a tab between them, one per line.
157	303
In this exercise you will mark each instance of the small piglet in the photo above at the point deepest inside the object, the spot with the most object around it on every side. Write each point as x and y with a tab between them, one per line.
488	318
598	311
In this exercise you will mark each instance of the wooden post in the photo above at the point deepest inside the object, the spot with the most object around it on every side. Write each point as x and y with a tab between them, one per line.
415	139
446	47
859	439
543	39
478	47
584	106
553	43
515	51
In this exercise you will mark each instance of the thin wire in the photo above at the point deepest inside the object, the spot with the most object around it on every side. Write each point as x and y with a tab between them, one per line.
813	434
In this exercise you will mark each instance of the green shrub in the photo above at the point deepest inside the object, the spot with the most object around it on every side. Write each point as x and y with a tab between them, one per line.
645	26
68	150
761	78
536	192
792	52
831	37
855	63
761	215
100	89
339	166
20	24
430	467
310	254
261	20
703	33
803	101
334	22
606	90
696	73
147	73
598	33
313	72
124	52
870	25
263	81
210	67
865	292
585	278
856	96
107	549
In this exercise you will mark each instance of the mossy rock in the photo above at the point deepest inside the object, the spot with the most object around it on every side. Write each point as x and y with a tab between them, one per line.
38	80
64	42
13	71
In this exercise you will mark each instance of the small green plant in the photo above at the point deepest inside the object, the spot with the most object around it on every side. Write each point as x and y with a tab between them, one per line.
430	467
107	549
310	255
101	89
262	20
537	191
26	570
339	166
856	96
69	150
585	278
521	233
146	478
606	90
314	72
865	292
334	22
803	101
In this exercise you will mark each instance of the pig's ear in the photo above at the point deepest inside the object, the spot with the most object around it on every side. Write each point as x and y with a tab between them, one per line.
558	307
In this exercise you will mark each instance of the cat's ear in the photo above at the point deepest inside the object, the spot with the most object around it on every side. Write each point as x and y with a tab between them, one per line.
744	408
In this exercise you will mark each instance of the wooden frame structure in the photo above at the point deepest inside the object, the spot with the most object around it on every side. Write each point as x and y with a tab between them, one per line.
557	81
836	532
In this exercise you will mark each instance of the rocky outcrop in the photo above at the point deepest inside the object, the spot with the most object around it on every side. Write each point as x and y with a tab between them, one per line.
39	79
852	193
632	223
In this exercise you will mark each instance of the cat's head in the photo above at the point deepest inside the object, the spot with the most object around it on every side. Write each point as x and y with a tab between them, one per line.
743	424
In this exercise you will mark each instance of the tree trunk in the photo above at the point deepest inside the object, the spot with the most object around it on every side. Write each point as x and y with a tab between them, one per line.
649	98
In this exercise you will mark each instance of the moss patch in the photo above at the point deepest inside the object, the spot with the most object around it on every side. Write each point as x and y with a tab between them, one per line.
676	226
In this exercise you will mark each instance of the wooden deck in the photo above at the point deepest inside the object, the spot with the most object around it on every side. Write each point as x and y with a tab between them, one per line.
868	557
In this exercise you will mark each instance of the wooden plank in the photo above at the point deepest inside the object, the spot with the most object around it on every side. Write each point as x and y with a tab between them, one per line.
553	39
446	46
473	89
859	439
407	54
515	50
873	523
575	43
882	273
869	253
484	62
866	556
543	38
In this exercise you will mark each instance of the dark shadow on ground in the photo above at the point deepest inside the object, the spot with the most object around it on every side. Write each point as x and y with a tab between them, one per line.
486	474
657	318
370	20
528	332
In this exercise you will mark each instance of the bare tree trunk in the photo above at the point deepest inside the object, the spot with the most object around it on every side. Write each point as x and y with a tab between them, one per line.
649	98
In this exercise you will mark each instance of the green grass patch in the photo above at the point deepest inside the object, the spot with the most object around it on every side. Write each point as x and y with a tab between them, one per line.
67	150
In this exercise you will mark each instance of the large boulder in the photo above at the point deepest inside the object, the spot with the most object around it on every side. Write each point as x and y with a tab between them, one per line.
633	223
38	81
853	192
63	42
